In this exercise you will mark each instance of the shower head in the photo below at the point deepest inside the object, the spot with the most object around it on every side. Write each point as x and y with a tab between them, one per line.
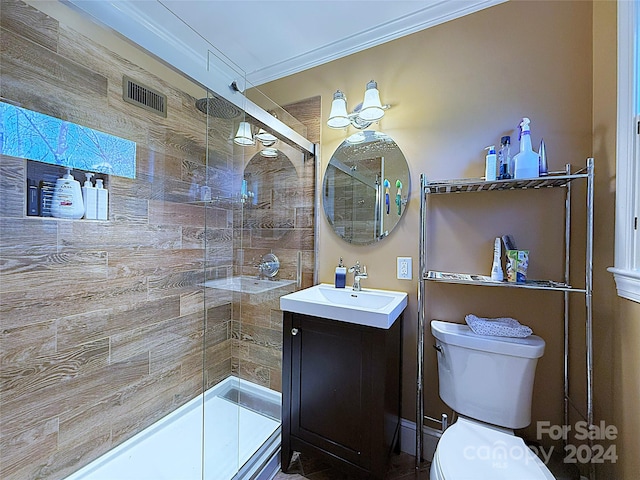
218	107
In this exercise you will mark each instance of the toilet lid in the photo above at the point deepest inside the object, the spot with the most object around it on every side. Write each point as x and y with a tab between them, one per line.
474	451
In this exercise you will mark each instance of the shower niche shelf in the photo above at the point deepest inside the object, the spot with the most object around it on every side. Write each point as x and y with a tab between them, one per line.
40	183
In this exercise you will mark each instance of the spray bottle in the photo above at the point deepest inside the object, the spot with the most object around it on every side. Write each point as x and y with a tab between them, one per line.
526	163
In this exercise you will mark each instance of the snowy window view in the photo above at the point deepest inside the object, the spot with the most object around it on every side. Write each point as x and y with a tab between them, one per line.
34	136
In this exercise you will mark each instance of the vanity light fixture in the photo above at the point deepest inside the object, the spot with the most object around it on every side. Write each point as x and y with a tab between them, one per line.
363	115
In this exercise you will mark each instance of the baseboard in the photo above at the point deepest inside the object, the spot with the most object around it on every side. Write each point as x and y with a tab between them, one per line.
408	439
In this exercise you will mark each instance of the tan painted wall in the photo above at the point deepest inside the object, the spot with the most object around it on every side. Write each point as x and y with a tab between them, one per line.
455	89
617	326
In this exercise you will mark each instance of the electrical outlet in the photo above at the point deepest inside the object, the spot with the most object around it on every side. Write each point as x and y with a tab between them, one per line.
404	268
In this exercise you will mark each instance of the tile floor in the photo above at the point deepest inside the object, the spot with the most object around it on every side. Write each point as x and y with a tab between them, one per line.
401	467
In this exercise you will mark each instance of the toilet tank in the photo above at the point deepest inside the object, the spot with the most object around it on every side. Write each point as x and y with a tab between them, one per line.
485	377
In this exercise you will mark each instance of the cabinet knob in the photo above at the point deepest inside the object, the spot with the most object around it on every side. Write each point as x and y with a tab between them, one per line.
294	331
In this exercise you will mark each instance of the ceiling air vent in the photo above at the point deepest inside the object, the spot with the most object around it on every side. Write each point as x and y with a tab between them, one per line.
145	97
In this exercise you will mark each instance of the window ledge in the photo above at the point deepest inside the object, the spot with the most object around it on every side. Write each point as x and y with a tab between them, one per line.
627	283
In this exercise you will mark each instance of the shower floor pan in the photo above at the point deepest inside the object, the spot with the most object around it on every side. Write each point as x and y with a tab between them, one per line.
241	434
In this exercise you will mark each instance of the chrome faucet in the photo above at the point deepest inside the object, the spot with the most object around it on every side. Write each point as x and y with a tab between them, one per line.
358	275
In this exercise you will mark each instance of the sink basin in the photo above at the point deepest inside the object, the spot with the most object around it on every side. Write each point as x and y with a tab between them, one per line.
369	307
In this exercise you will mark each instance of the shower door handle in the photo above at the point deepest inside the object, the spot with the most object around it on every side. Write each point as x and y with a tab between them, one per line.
294	331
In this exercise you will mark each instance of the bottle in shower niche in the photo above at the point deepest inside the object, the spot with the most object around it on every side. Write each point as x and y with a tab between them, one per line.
47	187
102	195
90	196
33	198
67	198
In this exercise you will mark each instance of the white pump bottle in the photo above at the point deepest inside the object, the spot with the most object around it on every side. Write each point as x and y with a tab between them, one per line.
491	164
67	198
90	195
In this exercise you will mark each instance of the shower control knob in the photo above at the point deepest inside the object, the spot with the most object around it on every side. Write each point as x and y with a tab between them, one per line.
294	331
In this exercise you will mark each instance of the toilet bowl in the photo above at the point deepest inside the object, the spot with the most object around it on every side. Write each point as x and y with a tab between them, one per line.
488	381
471	450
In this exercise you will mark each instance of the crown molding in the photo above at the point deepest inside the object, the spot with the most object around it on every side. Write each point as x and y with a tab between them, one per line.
434	14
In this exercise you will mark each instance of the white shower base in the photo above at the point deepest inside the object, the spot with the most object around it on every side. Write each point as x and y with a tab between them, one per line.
172	448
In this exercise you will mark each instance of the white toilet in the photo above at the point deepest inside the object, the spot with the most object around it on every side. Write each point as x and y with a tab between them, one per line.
488	382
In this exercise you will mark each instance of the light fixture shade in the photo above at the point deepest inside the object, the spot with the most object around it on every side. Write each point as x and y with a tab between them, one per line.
338	118
244	136
266	138
269	152
371	106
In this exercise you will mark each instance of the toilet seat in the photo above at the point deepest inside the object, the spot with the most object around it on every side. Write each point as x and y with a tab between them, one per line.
471	450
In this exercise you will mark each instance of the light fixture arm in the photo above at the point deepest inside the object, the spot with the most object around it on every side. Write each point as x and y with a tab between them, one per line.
357	121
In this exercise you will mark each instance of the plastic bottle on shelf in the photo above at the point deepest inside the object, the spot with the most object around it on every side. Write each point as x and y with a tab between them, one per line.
504	158
497	274
542	152
491	164
526	162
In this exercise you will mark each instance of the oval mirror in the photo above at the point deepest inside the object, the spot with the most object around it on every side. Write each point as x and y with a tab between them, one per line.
366	187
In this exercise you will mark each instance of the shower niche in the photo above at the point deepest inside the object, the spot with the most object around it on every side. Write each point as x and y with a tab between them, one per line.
41	185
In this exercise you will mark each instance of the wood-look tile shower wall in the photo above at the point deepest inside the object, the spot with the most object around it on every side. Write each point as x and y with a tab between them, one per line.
102	323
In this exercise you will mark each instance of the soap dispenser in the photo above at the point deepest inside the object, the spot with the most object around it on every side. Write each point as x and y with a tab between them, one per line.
491	165
341	275
102	200
90	196
67	198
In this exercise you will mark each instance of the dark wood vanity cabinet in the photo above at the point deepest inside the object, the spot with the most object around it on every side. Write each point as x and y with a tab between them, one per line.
341	392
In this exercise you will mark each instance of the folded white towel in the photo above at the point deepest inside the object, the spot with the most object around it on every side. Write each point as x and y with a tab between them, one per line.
497	327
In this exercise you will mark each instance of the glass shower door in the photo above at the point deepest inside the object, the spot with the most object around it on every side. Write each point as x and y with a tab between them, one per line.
270	232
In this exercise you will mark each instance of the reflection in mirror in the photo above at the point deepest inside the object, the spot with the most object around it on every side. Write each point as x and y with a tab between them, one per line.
366	187
271	194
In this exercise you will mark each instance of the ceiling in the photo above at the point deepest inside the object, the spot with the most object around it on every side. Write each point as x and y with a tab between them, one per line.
271	39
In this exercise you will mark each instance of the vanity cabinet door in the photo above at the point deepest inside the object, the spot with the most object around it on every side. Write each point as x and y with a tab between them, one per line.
341	392
331	387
